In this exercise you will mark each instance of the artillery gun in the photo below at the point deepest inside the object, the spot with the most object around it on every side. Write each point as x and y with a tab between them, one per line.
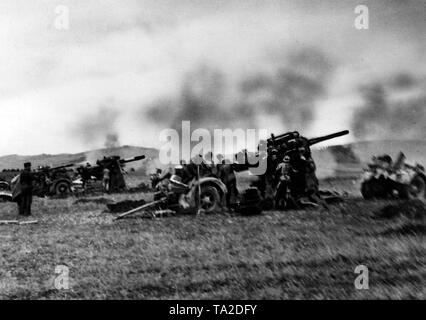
48	181
292	141
206	194
115	165
53	181
293	151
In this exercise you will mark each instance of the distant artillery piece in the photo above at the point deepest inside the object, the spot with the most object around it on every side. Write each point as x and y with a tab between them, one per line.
48	181
115	165
60	180
53	181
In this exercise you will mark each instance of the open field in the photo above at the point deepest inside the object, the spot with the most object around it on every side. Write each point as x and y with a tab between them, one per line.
278	255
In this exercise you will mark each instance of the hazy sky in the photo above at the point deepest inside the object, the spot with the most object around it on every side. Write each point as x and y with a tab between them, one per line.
118	57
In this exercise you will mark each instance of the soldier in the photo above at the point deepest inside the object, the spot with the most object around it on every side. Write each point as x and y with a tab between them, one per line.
25	197
304	181
86	175
106	179
155	177
268	180
283	196
226	174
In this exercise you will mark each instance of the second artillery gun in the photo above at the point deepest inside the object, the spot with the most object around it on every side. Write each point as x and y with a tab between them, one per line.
53	181
290	178
115	166
48	181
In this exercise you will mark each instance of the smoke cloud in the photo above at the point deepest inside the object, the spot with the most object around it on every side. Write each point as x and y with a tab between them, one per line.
395	109
97	128
211	99
123	72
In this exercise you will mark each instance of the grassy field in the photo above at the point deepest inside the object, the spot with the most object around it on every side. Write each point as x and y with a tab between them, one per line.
278	255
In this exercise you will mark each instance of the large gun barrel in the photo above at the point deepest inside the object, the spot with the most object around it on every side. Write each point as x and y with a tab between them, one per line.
56	168
137	158
327	137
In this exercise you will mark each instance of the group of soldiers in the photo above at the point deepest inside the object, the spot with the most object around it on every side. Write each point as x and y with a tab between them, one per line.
289	180
201	167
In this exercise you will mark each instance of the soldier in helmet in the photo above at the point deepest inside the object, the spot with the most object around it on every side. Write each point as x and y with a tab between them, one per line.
304	181
283	195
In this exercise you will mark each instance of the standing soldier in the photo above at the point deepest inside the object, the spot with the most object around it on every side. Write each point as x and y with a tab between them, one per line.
24	192
283	196
106	179
226	174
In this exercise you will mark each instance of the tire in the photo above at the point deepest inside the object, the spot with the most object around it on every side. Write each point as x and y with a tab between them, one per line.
62	188
210	200
417	188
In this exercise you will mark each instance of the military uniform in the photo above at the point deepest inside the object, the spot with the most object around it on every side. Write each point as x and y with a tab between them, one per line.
226	174
106	179
25	198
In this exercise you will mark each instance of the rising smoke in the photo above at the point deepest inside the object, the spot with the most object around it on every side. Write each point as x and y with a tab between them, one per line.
98	129
384	117
288	91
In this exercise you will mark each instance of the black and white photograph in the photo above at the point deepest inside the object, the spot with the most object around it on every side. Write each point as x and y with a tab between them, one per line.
215	151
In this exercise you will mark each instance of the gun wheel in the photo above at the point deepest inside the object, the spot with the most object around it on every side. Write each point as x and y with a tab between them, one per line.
62	188
210	199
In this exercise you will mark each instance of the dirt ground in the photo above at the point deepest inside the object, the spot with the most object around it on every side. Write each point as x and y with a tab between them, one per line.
278	255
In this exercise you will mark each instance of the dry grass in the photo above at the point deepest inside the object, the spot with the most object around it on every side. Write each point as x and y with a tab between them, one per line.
279	255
